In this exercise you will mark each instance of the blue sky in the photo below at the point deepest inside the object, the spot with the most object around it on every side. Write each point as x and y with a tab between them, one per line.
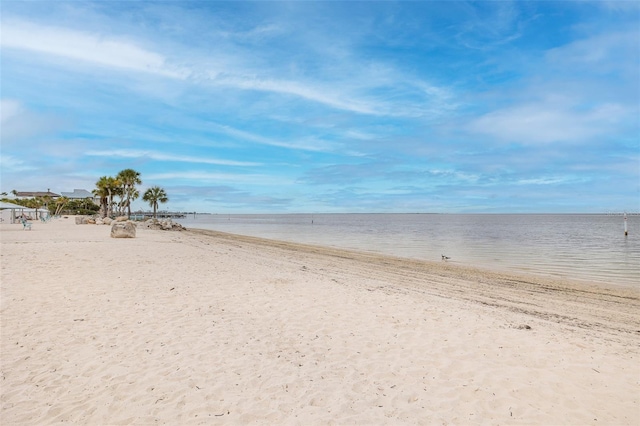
270	107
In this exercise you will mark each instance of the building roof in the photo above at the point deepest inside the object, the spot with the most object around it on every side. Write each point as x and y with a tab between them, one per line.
78	193
37	194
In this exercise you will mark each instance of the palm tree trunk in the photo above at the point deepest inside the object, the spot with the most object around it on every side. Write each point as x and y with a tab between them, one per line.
110	206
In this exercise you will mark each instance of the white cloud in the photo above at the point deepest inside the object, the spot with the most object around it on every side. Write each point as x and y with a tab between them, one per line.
87	47
236	70
132	153
321	95
580	91
114	52
543	181
9	109
597	50
207	177
9	163
18	124
545	123
308	144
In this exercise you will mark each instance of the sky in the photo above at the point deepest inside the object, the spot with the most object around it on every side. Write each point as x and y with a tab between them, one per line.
298	107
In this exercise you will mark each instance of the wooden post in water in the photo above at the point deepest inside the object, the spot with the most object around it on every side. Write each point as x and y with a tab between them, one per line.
625	225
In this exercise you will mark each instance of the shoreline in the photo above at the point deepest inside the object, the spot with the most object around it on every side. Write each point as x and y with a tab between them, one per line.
503	247
203	327
502	290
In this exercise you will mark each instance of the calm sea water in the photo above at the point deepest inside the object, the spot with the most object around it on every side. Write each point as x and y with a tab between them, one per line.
589	247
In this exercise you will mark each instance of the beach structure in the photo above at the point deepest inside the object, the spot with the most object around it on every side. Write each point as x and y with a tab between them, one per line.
16	211
5	206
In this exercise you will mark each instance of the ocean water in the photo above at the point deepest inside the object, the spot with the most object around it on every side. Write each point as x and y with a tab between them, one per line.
587	247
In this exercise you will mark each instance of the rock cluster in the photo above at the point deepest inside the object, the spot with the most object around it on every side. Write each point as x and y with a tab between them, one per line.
165	225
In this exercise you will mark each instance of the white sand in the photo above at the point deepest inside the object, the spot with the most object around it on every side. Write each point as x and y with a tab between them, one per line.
187	328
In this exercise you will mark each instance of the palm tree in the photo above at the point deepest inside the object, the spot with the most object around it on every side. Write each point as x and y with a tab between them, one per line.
153	196
102	192
60	204
128	179
44	202
103	202
106	188
134	194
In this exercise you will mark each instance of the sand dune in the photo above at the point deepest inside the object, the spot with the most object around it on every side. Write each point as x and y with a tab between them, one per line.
207	328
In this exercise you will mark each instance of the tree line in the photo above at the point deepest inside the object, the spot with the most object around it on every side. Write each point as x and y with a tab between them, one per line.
123	186
55	206
115	194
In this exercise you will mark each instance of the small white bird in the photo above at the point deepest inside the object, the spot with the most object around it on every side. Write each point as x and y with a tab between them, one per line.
445	258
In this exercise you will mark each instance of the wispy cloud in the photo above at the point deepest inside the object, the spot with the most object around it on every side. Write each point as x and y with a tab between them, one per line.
19	124
9	109
598	54
489	24
159	156
322	95
98	49
122	53
329	106
10	163
579	92
299	144
547	123
548	180
208	177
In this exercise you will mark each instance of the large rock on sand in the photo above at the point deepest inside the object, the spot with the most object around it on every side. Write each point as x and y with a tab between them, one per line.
123	230
81	220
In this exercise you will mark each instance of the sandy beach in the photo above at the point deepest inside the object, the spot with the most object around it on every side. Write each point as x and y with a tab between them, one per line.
199	327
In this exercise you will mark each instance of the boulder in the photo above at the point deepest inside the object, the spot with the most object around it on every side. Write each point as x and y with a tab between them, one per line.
122	218
81	220
169	225
107	220
123	230
164	225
